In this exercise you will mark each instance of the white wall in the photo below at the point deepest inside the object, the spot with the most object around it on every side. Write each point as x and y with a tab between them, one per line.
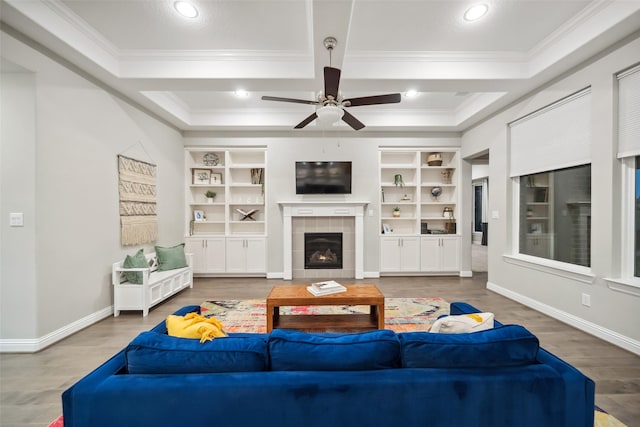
612	315
17	194
280	178
63	174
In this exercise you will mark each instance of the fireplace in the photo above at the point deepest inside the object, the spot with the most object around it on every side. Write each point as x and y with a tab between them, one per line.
323	250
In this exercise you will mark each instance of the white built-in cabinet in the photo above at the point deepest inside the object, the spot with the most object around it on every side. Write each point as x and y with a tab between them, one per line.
208	254
421	237
246	254
402	254
220	233
440	254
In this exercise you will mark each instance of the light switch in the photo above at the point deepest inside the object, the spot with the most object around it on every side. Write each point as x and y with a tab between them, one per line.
495	215
16	219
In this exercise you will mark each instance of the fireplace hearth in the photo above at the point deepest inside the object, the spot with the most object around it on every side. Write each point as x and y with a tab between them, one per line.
322	250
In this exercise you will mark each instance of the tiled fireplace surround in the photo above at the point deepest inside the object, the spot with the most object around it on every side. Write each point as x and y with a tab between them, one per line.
344	217
317	224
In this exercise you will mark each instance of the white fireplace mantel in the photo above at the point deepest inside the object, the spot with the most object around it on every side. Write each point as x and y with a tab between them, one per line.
325	208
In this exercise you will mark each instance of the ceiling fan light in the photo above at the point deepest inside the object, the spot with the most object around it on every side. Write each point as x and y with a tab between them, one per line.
241	93
411	93
185	9
476	12
329	114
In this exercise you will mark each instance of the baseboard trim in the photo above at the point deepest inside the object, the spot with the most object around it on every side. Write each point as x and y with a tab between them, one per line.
371	274
605	334
34	345
275	275
465	273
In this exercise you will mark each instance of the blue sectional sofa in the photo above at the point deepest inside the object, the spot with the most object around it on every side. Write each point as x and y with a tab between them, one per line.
499	377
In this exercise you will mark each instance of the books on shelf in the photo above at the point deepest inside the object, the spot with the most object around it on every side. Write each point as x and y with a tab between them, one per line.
326	288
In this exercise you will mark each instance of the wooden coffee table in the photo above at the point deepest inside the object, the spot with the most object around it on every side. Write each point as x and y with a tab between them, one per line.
297	295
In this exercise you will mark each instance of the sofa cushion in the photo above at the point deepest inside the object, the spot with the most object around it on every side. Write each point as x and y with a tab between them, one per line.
510	345
300	351
138	260
154	353
171	258
473	322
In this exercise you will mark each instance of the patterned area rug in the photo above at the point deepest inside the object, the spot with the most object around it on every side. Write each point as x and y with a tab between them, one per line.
400	314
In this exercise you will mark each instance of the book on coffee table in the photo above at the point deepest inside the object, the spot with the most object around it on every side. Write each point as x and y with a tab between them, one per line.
326	288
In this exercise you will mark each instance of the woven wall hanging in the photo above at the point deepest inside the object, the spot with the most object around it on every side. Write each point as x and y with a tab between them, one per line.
137	189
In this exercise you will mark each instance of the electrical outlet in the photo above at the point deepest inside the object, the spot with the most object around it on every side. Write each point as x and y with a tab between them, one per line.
586	300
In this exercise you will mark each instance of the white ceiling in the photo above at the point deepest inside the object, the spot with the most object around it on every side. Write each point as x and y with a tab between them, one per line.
186	70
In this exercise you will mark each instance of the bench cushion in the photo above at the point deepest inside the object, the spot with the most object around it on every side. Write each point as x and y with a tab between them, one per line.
135	261
299	351
510	345
156	353
171	258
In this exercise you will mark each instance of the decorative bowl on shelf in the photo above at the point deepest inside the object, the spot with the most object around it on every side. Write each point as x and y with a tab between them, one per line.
434	159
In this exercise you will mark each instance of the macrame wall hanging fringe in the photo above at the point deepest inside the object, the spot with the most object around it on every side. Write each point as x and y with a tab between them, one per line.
137	190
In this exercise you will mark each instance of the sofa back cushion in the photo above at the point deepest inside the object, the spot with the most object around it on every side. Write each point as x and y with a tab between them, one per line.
510	345
300	351
154	353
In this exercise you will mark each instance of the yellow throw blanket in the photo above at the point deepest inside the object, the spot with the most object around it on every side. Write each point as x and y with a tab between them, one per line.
193	325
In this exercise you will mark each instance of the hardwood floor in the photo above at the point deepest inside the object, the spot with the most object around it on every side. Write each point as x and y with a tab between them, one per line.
31	384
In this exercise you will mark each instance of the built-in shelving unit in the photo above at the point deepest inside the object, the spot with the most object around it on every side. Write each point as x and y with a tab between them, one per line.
425	191
231	227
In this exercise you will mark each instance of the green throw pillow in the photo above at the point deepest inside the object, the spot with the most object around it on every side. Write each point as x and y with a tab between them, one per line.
171	258
135	261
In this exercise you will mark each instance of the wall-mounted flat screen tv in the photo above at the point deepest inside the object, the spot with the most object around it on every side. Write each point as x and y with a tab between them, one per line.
323	177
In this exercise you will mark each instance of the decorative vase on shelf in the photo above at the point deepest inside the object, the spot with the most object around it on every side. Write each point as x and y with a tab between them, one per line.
396	212
446	176
397	180
436	192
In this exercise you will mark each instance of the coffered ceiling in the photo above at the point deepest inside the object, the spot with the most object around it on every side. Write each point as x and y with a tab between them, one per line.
188	70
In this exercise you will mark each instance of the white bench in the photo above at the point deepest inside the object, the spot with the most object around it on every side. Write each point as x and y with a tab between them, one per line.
156	285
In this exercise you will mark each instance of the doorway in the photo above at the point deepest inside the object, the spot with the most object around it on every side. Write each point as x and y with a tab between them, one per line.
480	212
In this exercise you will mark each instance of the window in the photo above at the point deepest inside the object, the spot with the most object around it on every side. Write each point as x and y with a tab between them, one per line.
555	215
637	218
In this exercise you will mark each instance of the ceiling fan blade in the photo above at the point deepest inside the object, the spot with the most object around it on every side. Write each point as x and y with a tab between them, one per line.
306	121
352	121
298	101
391	98
331	82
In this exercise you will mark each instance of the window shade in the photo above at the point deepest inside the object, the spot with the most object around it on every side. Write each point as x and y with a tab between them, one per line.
555	137
629	113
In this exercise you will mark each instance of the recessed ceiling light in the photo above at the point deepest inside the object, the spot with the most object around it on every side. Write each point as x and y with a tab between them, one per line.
186	9
476	12
241	93
411	93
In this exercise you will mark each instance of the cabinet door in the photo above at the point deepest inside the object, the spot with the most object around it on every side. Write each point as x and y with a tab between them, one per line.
197	248
255	255
390	257
449	254
430	254
236	256
410	254
215	255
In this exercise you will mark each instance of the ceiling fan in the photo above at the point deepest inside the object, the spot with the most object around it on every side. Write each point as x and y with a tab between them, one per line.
331	104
